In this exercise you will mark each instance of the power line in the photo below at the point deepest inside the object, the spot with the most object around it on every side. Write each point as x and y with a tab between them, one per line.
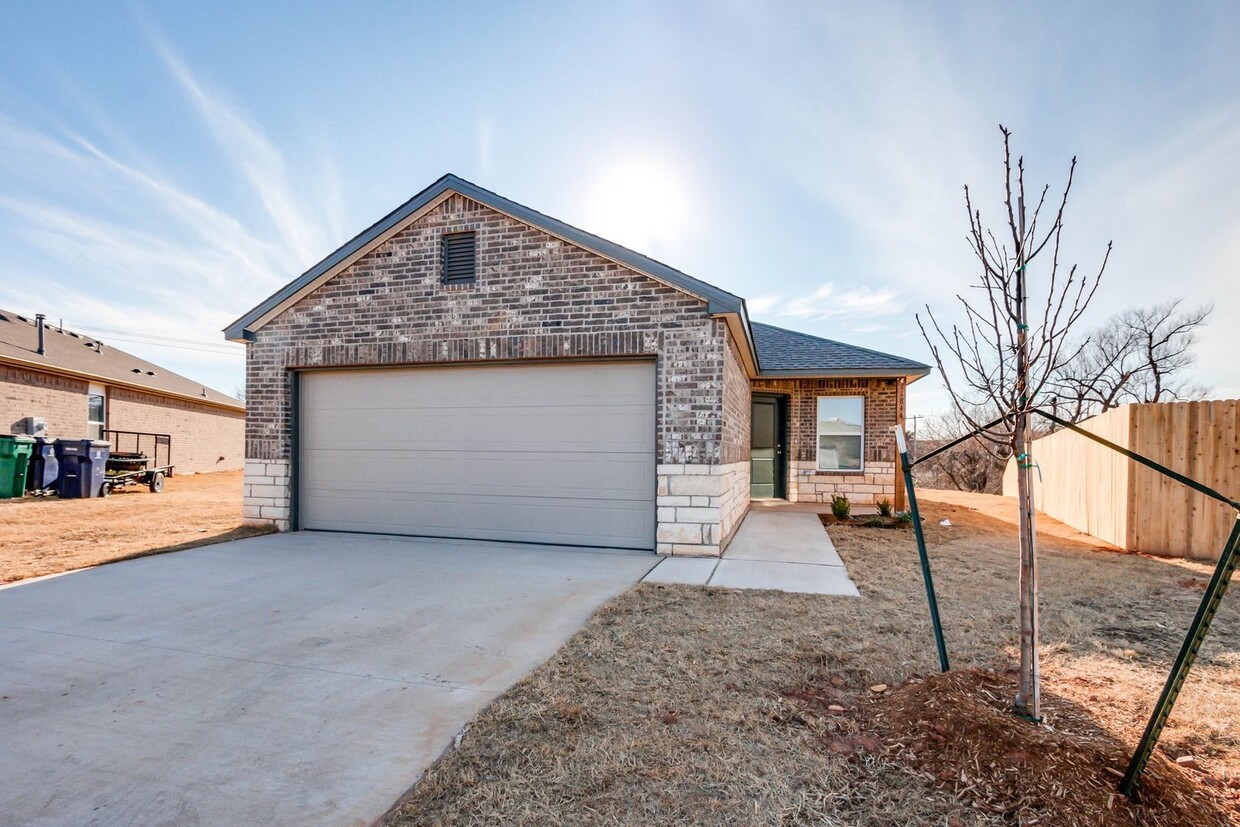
177	347
156	336
136	337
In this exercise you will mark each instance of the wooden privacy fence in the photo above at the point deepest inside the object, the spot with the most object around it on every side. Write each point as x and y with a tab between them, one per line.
1108	496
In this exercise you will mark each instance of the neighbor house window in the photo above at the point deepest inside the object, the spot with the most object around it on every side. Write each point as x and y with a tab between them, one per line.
841	432
460	258
96	412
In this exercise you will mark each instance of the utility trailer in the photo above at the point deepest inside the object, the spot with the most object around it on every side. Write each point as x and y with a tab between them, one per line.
149	462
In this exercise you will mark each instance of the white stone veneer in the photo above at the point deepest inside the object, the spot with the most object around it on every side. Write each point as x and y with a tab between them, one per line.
876	482
698	506
265	500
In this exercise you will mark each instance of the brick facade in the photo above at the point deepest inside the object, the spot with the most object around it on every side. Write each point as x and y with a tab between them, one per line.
884	409
737	412
536	298
59	400
204	437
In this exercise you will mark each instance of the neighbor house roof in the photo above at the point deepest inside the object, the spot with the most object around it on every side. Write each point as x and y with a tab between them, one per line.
74	354
789	353
821	357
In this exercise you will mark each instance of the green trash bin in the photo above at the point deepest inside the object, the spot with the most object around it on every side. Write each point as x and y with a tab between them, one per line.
15	454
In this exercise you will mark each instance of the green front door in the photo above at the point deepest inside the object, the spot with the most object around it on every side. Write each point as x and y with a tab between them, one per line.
766	449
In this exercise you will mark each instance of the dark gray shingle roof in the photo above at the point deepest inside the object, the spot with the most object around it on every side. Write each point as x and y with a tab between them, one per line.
789	353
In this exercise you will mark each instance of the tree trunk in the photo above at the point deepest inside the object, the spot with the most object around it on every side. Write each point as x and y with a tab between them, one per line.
1028	697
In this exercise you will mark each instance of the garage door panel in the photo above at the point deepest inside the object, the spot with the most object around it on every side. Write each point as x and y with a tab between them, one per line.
457	429
511	519
545	453
499	474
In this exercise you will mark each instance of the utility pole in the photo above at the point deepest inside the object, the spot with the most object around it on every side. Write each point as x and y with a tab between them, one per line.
1028	697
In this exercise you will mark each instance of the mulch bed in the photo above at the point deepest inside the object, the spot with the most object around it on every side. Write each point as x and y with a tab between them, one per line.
864	521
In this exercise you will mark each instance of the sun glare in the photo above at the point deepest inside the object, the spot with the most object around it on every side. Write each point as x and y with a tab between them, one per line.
641	202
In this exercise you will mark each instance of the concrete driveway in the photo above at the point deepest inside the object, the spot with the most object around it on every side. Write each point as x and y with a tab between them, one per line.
290	679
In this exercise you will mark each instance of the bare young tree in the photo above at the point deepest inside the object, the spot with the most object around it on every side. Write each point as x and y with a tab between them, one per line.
1139	355
996	360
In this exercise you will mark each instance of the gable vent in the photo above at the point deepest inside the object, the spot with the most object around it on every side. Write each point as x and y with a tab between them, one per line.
460	258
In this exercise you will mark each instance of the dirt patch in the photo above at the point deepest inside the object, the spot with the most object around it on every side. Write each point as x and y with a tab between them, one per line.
1003	510
690	705
956	732
47	535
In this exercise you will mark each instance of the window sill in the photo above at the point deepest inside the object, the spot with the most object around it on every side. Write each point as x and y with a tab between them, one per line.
819	472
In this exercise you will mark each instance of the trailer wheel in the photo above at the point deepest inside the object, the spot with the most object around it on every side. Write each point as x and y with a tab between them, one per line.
105	490
157	482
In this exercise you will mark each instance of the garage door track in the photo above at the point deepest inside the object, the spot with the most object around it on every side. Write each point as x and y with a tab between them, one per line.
291	679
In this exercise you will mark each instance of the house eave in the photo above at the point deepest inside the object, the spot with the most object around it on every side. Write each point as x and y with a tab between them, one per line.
117	383
738	325
911	375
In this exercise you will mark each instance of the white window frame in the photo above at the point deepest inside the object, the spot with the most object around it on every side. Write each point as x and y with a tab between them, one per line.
818	434
102	392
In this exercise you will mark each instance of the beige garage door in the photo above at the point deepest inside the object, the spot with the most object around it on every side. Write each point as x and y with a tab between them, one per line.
533	453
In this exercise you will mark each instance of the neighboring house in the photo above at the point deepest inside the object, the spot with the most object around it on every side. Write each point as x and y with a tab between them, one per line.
468	367
80	387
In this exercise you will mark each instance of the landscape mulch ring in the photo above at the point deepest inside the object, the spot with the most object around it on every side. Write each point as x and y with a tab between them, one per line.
955	731
690	705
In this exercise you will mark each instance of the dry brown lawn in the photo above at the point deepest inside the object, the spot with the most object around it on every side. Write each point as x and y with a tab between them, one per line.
47	535
679	705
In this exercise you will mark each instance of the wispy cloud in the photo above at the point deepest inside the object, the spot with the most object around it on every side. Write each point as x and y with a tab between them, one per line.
254	155
860	306
113	241
886	141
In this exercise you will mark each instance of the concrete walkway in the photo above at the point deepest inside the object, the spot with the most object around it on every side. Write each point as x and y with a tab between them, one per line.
303	678
785	551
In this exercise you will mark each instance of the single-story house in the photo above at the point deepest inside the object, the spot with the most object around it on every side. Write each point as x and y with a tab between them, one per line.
468	367
81	388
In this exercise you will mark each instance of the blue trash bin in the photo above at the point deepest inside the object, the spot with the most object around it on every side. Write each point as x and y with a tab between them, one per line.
83	464
44	469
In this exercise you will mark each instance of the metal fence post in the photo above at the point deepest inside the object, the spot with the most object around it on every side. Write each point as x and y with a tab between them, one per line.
921	550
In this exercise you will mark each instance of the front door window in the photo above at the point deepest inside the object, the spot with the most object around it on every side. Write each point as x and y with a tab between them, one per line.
766	450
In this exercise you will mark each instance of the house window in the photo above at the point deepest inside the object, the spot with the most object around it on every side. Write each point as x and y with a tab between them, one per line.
96	412
460	258
841	432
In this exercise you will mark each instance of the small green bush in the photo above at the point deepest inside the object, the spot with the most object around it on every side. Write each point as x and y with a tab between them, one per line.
875	522
904	517
885	507
840	507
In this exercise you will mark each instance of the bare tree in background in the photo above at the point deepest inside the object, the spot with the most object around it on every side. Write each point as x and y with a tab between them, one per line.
1001	358
973	465
1139	355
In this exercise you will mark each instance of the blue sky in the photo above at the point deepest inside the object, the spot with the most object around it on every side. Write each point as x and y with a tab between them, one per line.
165	166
